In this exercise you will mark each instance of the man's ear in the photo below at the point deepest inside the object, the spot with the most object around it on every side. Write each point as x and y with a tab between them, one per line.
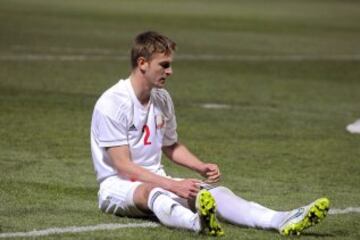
142	64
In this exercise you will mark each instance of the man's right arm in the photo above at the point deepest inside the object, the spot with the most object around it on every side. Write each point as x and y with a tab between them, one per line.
120	157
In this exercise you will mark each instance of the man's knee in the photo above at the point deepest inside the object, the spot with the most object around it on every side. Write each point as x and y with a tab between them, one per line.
141	196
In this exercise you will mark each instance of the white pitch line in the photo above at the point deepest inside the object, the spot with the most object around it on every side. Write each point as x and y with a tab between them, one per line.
113	226
344	211
215	106
74	229
184	57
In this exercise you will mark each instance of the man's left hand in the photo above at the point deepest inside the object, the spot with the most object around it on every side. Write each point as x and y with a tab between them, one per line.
211	172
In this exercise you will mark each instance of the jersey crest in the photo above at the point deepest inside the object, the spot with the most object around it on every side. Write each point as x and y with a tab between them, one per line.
159	121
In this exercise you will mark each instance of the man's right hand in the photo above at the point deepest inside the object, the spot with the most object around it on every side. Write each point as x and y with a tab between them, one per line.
187	188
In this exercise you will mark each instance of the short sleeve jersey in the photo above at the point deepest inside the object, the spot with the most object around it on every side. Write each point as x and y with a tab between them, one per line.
120	119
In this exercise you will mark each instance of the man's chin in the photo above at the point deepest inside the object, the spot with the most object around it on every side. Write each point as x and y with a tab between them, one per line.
160	85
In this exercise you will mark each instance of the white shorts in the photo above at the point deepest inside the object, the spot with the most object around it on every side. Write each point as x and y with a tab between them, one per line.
116	196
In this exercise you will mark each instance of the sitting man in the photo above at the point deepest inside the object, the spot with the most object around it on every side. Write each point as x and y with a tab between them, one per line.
133	123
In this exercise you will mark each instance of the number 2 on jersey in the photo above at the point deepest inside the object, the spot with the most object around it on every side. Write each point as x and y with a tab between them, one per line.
146	129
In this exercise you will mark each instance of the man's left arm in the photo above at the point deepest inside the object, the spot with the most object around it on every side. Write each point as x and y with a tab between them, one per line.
181	155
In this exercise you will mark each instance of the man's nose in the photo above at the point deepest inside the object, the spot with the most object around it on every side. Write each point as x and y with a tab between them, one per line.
168	71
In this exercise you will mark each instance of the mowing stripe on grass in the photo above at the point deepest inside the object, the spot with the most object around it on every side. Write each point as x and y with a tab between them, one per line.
75	229
62	50
186	57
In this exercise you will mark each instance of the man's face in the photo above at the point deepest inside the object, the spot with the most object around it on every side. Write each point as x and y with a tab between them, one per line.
157	69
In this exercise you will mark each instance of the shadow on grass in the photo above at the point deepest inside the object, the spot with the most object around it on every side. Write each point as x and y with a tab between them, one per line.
318	235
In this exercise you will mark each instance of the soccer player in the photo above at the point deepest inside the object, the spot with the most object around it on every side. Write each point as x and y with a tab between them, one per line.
133	123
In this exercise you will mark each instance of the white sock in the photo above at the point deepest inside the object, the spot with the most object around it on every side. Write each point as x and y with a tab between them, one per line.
171	213
241	212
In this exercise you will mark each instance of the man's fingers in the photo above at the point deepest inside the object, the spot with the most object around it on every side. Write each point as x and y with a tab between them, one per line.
213	179
209	174
213	171
190	188
215	175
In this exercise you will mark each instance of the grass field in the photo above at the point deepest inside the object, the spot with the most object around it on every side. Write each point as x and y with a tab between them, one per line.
288	70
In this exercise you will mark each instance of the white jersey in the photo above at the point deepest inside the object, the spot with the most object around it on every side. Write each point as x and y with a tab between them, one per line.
120	119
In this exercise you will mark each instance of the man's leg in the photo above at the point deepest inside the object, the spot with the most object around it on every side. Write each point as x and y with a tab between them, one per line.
169	212
135	199
238	211
125	198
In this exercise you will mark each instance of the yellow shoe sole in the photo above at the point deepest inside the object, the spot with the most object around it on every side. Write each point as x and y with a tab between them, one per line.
316	212
206	206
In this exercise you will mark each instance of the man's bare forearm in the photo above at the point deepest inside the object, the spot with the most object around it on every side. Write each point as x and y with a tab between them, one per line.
181	155
127	168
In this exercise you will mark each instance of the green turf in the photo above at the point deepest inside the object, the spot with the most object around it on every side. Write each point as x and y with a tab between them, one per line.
282	142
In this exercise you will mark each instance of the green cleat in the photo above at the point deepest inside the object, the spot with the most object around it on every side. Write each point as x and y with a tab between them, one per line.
206	208
305	217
